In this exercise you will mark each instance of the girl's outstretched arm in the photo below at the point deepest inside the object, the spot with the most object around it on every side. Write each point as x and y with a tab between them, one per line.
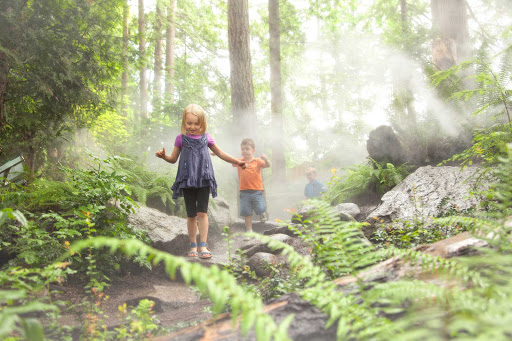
169	158
226	157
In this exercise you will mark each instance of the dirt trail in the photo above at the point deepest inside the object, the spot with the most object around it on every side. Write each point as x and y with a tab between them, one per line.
177	305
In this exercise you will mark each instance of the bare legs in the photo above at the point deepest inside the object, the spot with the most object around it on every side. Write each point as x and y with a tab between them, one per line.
202	218
248	223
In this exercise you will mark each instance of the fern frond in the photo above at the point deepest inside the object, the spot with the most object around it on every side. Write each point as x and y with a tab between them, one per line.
430	263
218	284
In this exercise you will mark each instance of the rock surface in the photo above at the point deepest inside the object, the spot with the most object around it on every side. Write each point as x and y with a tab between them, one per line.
426	193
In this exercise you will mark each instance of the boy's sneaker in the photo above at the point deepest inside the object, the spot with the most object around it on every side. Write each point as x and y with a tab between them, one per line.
263	217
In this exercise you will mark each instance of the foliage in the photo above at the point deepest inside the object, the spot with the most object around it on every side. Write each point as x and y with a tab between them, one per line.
492	96
92	202
218	284
61	57
145	185
357	179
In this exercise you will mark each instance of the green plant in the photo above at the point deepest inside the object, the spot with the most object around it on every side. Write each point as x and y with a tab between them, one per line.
140	323
492	97
145	185
218	284
357	179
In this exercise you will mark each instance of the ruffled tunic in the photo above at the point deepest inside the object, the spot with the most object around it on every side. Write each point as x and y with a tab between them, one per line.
195	167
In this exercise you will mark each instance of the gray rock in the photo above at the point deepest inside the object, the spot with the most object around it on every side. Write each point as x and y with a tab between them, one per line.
428	192
348	208
218	215
383	145
255	246
167	233
261	263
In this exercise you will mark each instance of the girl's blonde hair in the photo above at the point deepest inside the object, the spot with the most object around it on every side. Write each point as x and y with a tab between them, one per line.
198	111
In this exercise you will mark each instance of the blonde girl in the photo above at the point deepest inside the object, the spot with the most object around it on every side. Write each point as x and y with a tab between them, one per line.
195	179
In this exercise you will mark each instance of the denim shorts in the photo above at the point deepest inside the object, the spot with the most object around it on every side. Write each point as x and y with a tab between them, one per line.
251	200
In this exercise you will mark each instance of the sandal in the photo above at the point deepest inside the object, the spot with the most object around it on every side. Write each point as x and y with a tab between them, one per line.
192	253
204	254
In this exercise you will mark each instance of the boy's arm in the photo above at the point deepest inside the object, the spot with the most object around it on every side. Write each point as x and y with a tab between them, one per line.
264	158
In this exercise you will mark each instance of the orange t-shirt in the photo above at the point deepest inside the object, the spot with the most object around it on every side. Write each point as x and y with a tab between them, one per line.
250	178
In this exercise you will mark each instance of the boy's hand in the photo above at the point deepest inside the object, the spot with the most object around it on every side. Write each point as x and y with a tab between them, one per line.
264	157
160	153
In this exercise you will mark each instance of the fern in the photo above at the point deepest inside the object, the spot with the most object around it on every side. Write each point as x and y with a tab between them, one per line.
143	183
218	284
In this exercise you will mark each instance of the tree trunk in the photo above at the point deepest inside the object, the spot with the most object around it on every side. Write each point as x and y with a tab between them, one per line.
5	8
157	87
451	44
170	36
403	96
142	55
124	76
278	159
242	90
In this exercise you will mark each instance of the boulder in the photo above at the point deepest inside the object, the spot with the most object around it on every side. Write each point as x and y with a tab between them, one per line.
167	233
428	192
344	211
261	263
218	215
383	146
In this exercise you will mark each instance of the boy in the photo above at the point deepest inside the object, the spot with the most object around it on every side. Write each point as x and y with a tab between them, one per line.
251	183
314	188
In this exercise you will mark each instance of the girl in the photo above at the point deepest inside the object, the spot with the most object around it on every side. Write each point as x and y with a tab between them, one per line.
195	178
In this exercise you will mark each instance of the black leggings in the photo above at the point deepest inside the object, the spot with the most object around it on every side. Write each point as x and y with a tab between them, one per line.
196	200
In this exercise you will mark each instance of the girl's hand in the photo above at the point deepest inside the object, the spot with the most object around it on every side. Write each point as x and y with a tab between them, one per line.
242	164
160	153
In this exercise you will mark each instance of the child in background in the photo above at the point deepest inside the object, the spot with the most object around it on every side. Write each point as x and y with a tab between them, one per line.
195	178
314	188
251	183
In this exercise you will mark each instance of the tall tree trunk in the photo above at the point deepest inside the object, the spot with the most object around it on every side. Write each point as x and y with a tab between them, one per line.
142	55
157	87
403	95
450	24
242	90
170	36
278	159
5	9
124	76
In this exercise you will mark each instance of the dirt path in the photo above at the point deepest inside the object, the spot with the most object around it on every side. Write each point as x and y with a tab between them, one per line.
176	304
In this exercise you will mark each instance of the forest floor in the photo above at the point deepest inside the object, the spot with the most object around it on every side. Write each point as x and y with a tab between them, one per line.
176	304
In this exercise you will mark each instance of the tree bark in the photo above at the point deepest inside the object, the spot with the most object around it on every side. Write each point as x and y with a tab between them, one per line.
450	24
124	76
170	36
278	159
242	90
403	95
157	87
142	55
5	9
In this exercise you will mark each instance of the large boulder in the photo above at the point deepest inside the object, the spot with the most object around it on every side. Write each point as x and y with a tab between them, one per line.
383	146
167	233
428	192
218	215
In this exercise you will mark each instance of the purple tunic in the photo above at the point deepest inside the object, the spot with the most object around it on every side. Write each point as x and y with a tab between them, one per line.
195	167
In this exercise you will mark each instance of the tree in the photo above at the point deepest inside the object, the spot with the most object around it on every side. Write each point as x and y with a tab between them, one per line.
450	24
142	56
158	57
60	60
170	36
242	90
278	160
126	63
